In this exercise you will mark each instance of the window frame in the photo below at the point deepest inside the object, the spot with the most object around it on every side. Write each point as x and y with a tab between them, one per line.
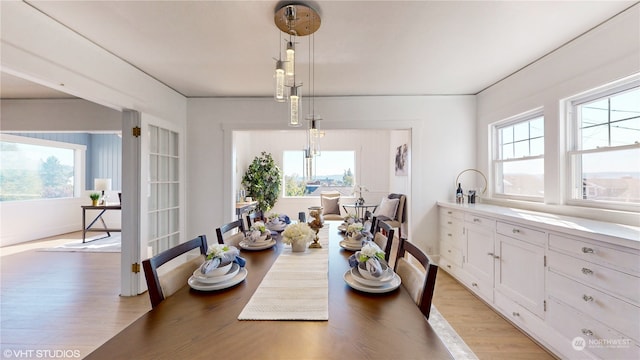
574	142
496	156
79	153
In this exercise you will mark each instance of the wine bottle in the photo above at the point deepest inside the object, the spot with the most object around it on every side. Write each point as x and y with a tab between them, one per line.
459	194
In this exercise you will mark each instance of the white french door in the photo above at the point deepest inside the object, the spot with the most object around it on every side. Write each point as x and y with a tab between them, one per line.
160	204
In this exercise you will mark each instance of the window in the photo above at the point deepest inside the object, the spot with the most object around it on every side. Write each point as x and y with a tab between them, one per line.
604	152
333	170
38	169
519	157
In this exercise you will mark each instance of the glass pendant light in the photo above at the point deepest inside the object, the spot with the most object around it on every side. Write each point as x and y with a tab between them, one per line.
279	76
294	107
291	59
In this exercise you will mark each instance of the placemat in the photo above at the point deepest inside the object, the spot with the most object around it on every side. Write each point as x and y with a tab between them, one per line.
295	288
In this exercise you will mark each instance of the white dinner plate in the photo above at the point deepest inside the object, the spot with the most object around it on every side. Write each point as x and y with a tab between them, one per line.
350	246
260	246
238	278
386	277
342	228
217	279
386	287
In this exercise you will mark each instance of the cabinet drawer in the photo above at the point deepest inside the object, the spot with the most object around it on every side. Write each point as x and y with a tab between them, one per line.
624	259
444	212
593	275
516	313
521	233
599	339
452	253
448	266
613	312
480	221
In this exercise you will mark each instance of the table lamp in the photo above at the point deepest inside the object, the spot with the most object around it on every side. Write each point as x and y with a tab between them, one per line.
102	185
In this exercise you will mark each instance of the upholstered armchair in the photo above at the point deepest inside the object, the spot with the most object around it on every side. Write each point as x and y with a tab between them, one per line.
393	211
330	202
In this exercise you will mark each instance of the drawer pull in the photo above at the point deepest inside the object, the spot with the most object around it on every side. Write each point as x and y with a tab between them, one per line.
449	212
449	222
587	271
515	313
449	266
587	332
493	255
449	234
587	250
449	251
516	231
587	298
476	220
474	284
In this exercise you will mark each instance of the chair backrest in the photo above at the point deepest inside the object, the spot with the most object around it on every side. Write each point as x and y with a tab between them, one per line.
330	202
176	278
419	282
401	213
382	236
250	218
233	239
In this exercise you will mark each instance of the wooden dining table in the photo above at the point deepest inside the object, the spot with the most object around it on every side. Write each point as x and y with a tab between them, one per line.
193	324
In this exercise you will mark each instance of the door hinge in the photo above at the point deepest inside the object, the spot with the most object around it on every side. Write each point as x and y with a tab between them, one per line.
544	305
135	268
545	261
136	131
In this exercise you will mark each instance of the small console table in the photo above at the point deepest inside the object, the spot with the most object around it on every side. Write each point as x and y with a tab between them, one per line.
243	207
102	209
360	210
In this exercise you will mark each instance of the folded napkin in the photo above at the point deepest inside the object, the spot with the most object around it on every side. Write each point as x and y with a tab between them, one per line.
231	255
373	266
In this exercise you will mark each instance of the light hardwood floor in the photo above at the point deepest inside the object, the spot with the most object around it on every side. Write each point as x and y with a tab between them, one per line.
70	301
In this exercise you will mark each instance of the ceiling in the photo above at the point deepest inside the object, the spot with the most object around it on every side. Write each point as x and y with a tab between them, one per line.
226	48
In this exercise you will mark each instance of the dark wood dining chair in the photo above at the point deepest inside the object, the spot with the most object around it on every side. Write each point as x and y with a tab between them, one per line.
383	236
250	218
420	283
233	239
161	287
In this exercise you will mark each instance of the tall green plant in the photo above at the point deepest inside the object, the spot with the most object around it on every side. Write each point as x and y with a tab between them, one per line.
262	180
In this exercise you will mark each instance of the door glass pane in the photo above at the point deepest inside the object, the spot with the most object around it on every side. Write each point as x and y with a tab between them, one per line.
164	201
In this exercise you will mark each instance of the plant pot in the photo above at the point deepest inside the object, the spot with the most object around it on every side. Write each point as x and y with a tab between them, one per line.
299	246
94	202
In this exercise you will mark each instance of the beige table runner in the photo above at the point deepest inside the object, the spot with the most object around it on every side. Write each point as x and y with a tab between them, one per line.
295	288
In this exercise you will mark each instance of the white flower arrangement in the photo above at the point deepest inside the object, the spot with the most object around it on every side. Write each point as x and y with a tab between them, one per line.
370	250
216	250
355	228
351	218
259	226
300	232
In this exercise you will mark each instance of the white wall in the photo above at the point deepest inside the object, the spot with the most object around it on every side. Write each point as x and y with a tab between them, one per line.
442	144
605	54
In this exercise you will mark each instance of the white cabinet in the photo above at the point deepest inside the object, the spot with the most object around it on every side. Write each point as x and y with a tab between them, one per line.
520	273
452	240
480	256
599	286
558	279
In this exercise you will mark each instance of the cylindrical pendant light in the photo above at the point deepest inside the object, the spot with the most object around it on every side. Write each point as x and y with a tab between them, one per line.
291	59
294	107
279	77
